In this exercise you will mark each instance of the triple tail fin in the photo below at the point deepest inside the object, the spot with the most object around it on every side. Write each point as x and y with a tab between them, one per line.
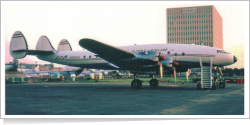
18	45
19	48
64	46
43	44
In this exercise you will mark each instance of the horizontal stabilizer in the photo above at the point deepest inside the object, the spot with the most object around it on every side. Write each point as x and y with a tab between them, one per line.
34	52
64	46
39	52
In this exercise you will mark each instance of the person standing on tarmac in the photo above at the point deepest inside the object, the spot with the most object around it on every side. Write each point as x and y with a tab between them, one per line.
62	78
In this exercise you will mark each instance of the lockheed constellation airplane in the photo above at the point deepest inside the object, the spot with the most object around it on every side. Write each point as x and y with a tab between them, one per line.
138	59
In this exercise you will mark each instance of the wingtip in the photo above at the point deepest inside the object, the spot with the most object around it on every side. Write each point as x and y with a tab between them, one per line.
86	41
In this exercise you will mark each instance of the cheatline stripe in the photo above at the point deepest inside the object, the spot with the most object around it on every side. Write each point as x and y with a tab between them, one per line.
198	55
63	43
16	36
82	59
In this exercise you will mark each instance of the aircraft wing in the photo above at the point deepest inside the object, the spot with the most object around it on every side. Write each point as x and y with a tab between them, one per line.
120	58
105	51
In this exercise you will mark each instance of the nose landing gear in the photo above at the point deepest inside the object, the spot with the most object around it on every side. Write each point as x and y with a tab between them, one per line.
222	84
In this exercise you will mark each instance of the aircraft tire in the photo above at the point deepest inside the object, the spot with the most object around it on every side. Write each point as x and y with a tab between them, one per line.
222	85
136	83
153	82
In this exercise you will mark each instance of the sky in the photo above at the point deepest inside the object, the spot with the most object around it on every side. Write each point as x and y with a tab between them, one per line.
114	23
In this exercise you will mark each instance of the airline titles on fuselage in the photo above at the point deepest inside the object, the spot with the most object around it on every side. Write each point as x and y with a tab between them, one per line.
60	57
63	57
144	50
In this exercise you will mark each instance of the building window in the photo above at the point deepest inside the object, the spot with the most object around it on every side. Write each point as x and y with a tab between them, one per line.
89	56
84	56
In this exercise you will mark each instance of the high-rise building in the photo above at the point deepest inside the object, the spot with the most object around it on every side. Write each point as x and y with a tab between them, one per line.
200	25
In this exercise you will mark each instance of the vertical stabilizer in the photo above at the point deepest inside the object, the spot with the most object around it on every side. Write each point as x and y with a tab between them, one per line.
18	45
44	44
64	46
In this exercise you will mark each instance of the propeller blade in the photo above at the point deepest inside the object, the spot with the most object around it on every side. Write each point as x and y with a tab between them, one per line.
174	74
161	70
160	59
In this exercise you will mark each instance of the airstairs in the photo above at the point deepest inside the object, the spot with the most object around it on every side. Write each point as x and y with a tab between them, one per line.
206	76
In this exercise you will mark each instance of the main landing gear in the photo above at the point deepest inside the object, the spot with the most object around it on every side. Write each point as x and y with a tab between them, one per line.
153	81
136	83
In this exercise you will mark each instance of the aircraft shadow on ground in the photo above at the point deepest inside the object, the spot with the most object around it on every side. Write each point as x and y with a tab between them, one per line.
127	87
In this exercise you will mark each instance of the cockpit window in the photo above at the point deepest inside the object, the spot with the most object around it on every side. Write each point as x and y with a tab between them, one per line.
221	51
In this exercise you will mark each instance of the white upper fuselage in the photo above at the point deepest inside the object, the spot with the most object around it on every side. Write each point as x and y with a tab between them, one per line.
178	52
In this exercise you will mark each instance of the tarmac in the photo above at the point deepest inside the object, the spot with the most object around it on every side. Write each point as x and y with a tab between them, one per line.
101	98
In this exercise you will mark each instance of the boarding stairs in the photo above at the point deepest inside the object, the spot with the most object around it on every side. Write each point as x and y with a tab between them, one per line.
206	75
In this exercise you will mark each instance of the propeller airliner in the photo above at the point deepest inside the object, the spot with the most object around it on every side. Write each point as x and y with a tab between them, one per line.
149	59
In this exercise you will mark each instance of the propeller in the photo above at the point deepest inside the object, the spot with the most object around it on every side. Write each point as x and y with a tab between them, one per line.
174	69
168	64
160	59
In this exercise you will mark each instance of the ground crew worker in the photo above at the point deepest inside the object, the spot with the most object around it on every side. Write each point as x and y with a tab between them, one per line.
62	78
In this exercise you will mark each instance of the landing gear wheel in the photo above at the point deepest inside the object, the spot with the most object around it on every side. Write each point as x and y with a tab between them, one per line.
153	82
136	83
222	85
199	86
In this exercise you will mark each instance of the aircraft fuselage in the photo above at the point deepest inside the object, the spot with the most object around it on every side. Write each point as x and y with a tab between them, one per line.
188	56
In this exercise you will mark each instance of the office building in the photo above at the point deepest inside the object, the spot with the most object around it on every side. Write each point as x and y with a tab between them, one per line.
200	25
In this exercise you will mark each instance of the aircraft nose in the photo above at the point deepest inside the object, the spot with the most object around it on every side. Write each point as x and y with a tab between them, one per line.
235	59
